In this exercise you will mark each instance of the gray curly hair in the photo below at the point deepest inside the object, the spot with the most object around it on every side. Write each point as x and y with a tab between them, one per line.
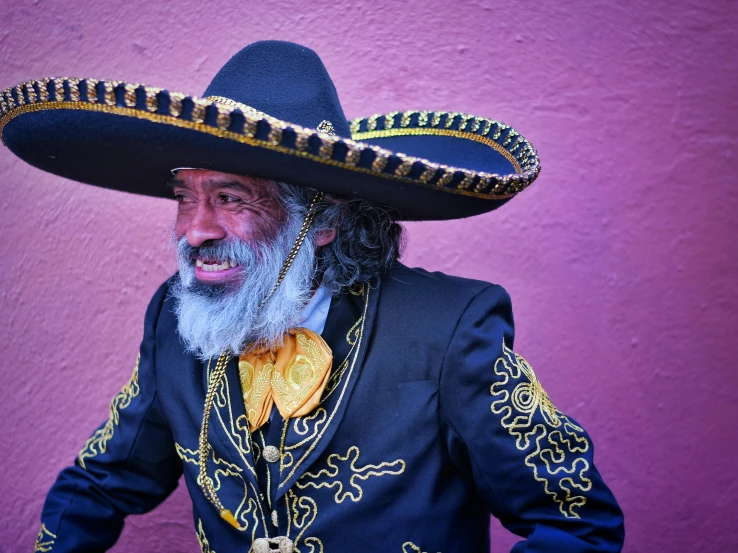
368	240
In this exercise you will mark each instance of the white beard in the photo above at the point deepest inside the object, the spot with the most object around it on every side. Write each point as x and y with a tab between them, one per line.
214	318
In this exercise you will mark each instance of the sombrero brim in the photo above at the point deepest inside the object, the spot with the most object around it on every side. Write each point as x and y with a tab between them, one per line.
427	165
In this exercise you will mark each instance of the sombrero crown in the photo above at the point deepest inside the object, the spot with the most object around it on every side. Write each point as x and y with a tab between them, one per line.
272	111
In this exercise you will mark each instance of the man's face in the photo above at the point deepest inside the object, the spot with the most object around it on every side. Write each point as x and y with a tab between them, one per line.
214	206
234	234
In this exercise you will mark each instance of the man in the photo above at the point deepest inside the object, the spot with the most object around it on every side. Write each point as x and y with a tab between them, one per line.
316	394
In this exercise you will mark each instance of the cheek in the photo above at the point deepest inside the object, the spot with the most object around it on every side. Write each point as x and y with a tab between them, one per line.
180	225
262	226
252	229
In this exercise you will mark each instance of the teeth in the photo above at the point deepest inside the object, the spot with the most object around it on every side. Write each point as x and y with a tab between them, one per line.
215	266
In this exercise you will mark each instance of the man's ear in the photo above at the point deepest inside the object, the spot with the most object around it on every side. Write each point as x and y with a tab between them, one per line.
325	237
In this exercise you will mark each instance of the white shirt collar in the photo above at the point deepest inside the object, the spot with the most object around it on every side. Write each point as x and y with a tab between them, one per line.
315	313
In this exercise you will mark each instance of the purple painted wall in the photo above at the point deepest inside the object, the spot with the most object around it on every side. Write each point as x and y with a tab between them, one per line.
621	260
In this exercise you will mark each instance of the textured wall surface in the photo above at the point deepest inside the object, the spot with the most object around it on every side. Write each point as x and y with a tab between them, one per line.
621	260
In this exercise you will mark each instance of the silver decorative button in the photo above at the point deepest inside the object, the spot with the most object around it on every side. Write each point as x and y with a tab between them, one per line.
271	454
275	518
326	127
279	544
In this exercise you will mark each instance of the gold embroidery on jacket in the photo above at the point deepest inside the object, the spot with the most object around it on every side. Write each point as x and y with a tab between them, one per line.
301	426
410	547
228	469
225	469
555	445
352	338
329	478
301	512
98	442
236	428
44	540
202	539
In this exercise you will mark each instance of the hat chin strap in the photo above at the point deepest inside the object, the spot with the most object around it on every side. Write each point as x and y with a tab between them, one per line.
206	483
309	216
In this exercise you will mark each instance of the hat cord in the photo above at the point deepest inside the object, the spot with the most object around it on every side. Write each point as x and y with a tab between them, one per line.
206	483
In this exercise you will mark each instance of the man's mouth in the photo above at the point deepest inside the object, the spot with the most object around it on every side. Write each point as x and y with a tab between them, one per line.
207	265
212	270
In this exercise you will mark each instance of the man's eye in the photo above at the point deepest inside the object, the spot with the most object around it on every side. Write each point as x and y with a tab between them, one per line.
227	199
184	201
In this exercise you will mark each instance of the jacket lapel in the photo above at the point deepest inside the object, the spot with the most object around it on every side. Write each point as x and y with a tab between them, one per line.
229	425
347	331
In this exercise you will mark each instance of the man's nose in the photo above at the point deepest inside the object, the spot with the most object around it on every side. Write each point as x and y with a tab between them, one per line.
204	225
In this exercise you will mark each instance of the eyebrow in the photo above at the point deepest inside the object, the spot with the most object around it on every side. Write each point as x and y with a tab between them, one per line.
232	184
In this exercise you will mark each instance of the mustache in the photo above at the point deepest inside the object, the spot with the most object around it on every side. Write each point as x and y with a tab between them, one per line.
241	256
237	252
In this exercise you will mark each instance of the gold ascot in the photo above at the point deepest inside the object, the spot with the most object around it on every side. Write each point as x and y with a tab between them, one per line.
292	377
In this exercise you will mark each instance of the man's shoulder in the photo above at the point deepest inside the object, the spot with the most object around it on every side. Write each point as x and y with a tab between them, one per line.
426	308
159	306
419	286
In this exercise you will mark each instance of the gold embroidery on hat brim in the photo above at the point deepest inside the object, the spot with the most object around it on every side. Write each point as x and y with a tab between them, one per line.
238	105
503	138
369	135
34	96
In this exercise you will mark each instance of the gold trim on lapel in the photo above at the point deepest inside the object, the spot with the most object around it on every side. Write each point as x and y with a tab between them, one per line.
300	461
229	422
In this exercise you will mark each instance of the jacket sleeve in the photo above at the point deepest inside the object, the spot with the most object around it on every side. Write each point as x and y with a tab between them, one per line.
128	466
531	464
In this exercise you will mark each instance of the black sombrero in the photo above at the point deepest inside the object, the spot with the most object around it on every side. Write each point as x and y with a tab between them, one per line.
272	111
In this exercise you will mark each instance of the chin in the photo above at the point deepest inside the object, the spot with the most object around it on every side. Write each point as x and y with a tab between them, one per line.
214	288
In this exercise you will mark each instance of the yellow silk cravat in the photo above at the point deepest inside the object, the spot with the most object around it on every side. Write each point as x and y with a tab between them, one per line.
293	377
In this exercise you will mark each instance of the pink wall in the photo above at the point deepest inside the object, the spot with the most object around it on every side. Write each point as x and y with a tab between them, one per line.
621	260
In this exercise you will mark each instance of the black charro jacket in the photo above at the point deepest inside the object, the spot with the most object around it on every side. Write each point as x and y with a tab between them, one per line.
430	423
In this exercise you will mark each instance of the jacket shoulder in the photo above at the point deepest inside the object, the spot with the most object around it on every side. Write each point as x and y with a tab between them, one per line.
435	288
160	307
419	313
415	301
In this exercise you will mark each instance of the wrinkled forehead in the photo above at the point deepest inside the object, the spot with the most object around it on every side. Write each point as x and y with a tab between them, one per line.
193	177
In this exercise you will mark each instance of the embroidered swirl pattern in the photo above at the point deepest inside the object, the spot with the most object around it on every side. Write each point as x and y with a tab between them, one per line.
555	445
248	508
202	539
303	509
329	478
44	540
98	442
235	428
301	512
